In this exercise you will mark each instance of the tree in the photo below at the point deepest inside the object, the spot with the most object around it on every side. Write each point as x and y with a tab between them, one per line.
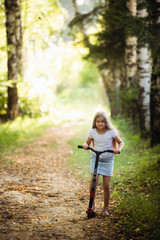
125	27
75	7
102	50
144	75
14	43
155	77
130	50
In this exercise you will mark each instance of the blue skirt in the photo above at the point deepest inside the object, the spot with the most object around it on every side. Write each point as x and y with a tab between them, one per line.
105	165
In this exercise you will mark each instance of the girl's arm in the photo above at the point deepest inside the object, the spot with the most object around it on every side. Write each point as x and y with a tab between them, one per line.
120	144
87	143
114	144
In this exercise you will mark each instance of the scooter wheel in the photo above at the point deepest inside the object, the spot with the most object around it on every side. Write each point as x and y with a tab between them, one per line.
90	213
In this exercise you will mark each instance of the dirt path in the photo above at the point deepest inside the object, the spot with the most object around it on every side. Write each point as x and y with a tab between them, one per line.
40	199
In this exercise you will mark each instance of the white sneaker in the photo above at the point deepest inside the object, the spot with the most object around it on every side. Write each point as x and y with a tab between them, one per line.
105	212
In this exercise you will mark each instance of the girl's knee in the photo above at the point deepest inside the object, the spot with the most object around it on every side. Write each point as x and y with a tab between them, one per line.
106	187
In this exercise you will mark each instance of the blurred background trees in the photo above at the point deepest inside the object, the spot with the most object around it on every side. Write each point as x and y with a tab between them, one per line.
58	53
125	48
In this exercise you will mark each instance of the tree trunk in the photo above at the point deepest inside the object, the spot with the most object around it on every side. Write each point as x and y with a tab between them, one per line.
131	52
117	92
155	103
75	7
14	43
144	80
155	84
111	81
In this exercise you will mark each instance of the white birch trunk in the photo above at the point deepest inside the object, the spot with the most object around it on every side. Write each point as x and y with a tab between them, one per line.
131	51
144	80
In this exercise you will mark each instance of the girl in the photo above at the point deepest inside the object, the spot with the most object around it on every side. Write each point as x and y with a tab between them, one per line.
103	136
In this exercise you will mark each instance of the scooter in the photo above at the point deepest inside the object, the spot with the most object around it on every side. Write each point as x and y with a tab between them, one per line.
90	212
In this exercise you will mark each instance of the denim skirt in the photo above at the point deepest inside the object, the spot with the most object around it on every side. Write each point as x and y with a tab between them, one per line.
105	165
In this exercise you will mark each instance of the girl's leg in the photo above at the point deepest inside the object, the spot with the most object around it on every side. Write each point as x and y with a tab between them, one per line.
95	184
106	188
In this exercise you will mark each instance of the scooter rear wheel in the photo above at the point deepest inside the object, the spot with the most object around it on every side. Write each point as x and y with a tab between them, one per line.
90	213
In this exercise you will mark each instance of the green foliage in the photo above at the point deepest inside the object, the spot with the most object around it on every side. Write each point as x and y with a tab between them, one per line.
29	107
79	161
110	44
129	104
116	24
88	74
80	86
154	27
138	190
3	94
42	23
136	183
3	62
18	133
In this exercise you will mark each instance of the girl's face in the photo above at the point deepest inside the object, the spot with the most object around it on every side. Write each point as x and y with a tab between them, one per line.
100	123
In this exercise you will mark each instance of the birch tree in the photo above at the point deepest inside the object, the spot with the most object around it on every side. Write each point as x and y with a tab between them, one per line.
131	49
14	43
144	77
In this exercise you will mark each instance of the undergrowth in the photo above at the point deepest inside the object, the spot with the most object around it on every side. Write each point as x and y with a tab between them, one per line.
17	133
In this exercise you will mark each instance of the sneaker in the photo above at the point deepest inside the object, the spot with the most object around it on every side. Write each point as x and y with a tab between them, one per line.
105	212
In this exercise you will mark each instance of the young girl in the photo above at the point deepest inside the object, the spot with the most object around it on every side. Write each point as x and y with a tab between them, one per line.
103	136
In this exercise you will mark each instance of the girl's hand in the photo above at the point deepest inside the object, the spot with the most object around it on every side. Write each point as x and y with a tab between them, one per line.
116	151
85	146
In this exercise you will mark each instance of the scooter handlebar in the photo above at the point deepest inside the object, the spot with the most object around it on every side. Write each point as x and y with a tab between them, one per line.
89	148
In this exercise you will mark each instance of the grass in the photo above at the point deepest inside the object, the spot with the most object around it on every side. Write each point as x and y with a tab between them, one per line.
19	132
135	184
79	161
136	181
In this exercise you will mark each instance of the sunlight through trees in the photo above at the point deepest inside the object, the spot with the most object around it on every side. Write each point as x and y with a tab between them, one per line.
52	46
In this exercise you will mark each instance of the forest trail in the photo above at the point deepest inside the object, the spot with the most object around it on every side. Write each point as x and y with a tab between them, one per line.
41	199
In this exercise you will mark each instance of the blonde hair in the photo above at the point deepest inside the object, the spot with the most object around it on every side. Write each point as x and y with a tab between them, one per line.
106	119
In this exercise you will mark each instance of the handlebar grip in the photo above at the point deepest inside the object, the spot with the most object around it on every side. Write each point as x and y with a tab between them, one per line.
79	146
97	152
